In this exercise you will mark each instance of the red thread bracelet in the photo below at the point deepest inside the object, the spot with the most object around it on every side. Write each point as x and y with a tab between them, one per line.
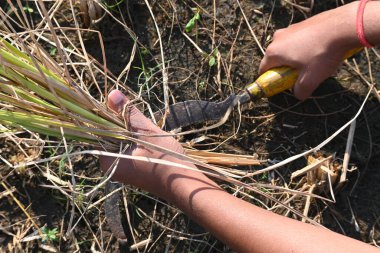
360	25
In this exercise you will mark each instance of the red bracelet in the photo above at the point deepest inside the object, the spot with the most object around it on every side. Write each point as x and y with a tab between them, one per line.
360	25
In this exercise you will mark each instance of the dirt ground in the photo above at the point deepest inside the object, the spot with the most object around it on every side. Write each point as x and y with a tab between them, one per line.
270	129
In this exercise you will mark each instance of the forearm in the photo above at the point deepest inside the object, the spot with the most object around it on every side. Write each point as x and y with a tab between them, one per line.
247	228
345	18
339	26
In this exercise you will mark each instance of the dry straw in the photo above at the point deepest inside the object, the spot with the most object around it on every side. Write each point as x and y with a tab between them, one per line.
40	100
42	96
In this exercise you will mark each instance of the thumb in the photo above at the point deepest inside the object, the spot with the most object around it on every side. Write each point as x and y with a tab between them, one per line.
116	101
269	62
135	119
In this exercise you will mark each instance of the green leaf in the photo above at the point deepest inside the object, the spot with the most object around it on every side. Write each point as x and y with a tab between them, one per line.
192	22
211	61
28	9
212	57
197	16
190	25
53	51
49	234
201	84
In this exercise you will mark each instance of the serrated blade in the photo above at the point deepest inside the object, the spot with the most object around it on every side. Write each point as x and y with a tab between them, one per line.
197	111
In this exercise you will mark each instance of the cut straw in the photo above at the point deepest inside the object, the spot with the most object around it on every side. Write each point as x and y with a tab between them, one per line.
40	100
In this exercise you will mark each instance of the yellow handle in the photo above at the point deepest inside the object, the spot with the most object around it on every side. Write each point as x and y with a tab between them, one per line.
279	79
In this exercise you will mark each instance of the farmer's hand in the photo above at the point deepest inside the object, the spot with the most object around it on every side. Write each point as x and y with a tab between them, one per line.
239	224
152	177
315	47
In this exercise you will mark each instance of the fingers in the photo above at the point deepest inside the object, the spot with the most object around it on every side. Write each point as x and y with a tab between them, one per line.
305	85
136	121
116	101
310	78
273	58
266	64
311	73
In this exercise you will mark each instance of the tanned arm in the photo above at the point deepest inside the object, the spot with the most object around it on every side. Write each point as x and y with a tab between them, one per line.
239	224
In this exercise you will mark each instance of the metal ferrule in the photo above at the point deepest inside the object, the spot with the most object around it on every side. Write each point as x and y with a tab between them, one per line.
255	91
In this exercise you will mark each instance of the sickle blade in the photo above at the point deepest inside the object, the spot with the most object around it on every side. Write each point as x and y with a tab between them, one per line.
195	111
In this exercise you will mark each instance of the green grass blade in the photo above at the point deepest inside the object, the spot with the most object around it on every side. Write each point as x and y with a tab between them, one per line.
11	120
11	90
14	76
18	54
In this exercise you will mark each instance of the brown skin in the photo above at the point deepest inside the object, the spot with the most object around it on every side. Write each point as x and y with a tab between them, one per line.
245	229
316	46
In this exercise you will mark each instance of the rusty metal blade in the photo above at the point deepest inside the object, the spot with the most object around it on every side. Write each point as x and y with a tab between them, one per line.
197	111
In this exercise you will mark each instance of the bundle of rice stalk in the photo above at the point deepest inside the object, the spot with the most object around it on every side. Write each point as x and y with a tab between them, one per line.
38	98
38	94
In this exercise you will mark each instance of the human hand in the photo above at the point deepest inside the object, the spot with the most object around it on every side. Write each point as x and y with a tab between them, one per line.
247	228
314	47
147	175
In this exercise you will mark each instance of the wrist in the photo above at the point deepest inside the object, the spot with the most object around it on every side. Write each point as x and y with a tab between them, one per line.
175	184
346	18
345	27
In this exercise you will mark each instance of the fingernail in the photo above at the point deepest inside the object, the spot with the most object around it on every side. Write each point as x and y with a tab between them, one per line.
116	100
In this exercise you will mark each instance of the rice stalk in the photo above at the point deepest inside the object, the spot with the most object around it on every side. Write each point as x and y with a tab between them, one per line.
42	101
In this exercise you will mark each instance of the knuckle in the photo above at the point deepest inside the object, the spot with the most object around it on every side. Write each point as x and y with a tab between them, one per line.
278	33
271	51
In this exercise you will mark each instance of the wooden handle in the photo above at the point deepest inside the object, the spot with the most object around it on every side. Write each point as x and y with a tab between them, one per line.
279	79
